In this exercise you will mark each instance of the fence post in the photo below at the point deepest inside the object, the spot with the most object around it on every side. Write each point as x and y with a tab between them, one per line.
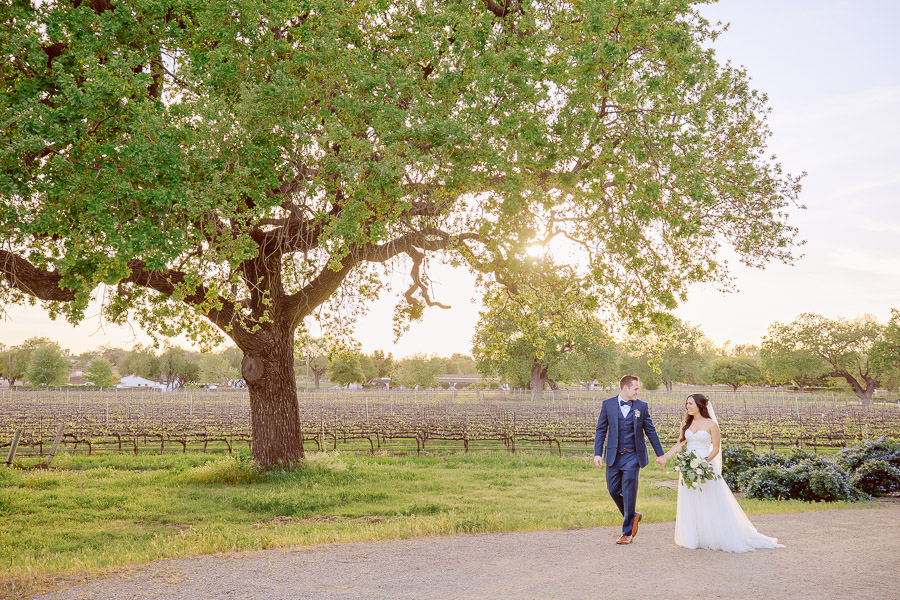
56	441
13	447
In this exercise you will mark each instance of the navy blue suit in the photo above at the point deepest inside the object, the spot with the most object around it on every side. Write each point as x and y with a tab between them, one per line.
625	452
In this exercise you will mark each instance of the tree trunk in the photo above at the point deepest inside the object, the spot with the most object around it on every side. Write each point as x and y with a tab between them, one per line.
871	384
734	387
274	412
668	385
863	393
537	381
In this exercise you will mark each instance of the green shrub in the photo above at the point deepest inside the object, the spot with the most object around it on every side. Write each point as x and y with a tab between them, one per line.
877	478
791	459
736	462
814	480
828	482
854	457
767	482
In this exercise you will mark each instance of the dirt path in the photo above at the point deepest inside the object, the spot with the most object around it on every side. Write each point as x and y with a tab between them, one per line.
848	554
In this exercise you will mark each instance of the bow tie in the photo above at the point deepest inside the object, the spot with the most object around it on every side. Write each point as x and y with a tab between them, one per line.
625	403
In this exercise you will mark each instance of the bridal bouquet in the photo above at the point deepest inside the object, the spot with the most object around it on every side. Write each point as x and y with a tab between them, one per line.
693	469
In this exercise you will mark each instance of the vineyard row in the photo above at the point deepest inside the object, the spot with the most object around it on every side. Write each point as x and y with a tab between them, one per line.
104	422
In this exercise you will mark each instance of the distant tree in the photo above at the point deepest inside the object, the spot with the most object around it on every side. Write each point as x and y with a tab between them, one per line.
141	361
81	361
783	362
369	368
676	351
14	364
418	370
885	354
345	368
844	348
639	364
100	372
735	371
747	350
460	364
215	368
540	327
315	352
233	355
47	365
178	367
384	364
113	354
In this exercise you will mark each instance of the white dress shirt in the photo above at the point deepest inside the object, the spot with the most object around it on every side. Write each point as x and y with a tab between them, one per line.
625	409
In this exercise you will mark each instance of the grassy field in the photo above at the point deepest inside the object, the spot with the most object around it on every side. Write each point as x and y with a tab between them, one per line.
92	514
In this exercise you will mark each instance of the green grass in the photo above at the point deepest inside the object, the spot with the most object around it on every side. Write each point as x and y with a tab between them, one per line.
91	514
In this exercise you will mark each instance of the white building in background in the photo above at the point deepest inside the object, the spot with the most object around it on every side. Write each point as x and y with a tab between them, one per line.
133	381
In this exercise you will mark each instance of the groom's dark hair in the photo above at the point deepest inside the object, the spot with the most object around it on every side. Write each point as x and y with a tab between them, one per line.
627	381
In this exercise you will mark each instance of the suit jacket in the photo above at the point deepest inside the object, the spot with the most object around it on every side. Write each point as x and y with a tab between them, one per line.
608	430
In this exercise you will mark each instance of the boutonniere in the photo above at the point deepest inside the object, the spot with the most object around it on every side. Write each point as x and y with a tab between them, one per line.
637	414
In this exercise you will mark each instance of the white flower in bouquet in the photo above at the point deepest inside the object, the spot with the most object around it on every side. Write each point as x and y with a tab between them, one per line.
693	469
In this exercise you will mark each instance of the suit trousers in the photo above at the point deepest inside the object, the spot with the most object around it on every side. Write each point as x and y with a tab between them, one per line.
622	483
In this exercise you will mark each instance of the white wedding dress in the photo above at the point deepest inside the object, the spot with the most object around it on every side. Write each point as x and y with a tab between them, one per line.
708	516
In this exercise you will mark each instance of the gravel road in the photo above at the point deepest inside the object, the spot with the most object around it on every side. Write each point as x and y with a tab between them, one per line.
841	554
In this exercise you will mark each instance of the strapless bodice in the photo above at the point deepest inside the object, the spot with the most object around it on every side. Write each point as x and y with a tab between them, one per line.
698	442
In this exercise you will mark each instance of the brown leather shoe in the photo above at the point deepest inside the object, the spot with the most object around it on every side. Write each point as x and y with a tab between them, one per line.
625	539
634	528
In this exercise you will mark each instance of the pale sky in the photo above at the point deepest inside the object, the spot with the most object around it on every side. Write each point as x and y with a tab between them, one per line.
831	71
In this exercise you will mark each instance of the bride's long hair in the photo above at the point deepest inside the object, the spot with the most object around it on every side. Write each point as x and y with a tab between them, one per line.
701	401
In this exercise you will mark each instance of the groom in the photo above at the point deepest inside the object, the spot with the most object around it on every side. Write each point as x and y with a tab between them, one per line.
625	419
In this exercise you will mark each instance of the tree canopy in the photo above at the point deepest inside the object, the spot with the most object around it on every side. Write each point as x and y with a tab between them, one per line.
345	368
100	372
844	348
885	353
734	371
541	327
676	351
418	370
255	163
47	365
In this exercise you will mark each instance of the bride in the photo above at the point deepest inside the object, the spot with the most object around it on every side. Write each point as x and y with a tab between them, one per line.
708	516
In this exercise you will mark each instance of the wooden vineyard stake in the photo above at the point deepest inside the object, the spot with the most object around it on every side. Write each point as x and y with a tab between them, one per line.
13	446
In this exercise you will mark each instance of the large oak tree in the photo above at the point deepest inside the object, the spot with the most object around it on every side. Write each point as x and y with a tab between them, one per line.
850	349
255	163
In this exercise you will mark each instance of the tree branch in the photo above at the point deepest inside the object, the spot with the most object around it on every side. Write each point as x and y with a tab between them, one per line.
225	318
24	276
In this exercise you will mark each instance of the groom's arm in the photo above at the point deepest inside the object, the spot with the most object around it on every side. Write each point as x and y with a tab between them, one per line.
600	436
650	430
